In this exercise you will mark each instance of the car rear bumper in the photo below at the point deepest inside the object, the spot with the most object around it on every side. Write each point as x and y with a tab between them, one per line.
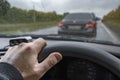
82	33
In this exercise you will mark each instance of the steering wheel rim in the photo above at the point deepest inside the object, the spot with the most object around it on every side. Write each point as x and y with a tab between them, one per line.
95	55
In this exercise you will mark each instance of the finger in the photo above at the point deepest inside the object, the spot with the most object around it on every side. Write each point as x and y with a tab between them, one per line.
8	53
22	44
9	48
39	44
48	63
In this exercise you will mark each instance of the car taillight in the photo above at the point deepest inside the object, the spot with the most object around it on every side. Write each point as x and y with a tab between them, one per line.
91	25
60	24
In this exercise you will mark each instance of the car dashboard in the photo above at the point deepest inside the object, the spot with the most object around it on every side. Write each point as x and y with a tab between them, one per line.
71	68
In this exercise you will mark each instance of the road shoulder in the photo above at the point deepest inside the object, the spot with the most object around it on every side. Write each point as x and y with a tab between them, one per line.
114	29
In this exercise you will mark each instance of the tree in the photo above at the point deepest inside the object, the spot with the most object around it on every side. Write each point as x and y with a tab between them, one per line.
18	15
66	13
4	7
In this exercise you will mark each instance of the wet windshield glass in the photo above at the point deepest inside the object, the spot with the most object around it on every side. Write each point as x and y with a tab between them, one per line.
90	19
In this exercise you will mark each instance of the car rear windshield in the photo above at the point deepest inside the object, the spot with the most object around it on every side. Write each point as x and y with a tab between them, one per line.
79	16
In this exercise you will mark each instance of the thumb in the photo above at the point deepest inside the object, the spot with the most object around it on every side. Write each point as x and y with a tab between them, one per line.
48	63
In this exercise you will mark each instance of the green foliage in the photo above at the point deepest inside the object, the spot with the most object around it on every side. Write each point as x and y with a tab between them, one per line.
113	15
66	14
4	6
17	15
21	28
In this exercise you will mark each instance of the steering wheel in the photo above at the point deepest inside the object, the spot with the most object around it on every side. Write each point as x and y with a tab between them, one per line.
95	55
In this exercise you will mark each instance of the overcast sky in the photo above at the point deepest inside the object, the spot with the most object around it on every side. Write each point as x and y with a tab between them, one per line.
99	7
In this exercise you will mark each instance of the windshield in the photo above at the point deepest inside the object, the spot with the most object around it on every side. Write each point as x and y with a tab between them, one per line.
79	19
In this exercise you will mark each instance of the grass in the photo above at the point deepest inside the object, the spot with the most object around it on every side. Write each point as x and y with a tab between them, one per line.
24	27
115	23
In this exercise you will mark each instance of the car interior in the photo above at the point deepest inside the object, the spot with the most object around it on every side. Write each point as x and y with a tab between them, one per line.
87	35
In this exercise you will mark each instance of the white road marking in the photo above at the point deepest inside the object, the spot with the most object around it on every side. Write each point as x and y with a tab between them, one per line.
109	32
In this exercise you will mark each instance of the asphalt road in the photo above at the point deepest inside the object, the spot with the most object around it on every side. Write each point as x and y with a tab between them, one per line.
103	33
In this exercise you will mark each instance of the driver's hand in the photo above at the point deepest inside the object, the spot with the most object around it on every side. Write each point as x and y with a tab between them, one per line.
24	58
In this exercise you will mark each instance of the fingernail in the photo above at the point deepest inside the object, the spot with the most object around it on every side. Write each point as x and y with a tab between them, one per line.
58	56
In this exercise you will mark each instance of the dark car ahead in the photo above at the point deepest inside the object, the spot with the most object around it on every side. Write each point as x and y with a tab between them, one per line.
78	23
